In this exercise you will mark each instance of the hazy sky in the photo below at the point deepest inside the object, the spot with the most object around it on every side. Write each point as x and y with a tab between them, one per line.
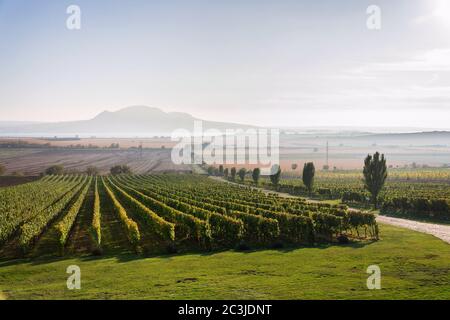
274	62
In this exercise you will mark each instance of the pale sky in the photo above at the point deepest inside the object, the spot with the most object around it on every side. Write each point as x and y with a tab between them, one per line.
264	62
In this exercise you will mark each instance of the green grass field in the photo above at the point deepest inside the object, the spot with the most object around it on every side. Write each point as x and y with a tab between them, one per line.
413	266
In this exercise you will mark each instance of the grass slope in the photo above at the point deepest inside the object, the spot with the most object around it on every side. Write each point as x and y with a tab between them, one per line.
413	266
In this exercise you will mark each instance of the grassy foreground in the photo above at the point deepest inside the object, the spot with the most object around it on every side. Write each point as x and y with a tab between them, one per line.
413	266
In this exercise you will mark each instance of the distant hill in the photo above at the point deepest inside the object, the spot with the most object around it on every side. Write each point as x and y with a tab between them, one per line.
429	138
142	121
130	121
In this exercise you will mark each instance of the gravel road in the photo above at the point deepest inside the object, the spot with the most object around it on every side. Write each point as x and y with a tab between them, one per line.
438	230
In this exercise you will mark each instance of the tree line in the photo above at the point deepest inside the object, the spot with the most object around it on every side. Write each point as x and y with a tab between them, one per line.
90	171
374	172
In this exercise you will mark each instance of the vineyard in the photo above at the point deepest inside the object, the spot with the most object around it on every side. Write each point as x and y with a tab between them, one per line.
422	193
162	213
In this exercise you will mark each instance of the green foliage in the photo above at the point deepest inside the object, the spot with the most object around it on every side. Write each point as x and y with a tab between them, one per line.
308	176
224	230
183	209
164	229
257	229
401	195
120	169
256	173
326	224
96	217
233	174
352	196
409	260
54	170
358	219
130	227
433	209
241	173
293	228
65	225
375	174
92	171
185	225
275	175
20	203
31	229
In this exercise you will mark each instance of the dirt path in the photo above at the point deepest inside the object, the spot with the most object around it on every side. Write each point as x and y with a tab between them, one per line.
79	240
114	238
440	231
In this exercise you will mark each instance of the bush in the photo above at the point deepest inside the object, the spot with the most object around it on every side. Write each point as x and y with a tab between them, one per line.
241	173
438	209
358	219
233	173
92	171
326	224
354	197
121	169
130	227
96	217
54	170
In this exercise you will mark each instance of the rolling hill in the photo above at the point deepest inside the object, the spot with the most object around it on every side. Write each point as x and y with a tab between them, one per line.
129	121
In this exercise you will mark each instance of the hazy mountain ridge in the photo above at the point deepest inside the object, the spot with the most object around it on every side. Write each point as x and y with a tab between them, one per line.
134	120
150	121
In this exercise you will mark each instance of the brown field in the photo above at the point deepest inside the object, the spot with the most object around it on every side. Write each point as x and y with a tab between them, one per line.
126	143
77	154
35	161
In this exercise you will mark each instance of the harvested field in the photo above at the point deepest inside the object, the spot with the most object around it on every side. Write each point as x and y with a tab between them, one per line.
35	161
154	143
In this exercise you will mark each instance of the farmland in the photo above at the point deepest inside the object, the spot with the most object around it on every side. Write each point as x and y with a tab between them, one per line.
218	150
34	161
417	193
162	213
319	272
175	236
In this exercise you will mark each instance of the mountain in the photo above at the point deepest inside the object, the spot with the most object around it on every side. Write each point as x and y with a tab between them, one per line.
364	139
130	121
142	121
429	138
